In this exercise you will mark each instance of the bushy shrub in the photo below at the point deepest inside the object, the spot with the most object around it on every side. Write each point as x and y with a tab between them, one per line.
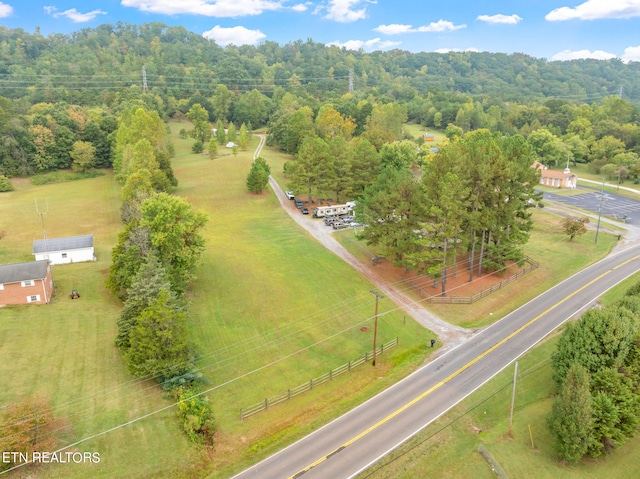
5	184
198	146
196	415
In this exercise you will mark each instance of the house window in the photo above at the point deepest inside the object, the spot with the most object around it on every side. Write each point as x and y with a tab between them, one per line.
64	255
27	282
33	298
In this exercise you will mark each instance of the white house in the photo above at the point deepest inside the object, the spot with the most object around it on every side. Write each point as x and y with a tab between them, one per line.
73	249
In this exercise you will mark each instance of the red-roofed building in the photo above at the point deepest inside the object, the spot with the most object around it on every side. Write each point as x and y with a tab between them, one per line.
555	178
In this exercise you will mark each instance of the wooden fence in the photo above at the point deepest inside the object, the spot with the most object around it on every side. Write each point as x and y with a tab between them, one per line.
272	401
531	265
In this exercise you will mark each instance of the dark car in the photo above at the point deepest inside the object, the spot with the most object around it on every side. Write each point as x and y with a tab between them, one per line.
305	211
299	203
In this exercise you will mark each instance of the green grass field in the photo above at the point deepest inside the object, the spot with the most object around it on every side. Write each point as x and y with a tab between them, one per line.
270	310
266	291
65	351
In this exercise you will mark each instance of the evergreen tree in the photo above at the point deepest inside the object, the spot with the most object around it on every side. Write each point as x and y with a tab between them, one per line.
145	287
213	148
571	422
159	343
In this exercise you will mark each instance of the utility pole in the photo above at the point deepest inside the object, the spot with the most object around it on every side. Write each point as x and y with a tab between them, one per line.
599	211
375	324
44	232
513	396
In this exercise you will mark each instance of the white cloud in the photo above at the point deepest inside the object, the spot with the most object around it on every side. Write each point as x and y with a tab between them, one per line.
301	7
508	19
5	10
394	29
75	16
343	11
631	54
596	9
566	55
367	45
207	8
439	26
457	50
49	9
234	35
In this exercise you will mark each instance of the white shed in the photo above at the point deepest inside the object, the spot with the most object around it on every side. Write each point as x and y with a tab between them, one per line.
73	249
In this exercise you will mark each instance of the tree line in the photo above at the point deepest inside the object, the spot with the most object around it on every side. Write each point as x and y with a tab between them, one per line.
153	263
597	371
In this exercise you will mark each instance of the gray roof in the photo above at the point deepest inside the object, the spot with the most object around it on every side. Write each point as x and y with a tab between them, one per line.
62	244
12	273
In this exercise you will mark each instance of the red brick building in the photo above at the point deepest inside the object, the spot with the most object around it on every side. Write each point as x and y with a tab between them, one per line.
24	283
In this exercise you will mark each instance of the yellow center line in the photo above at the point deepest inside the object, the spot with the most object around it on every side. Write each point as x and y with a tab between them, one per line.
456	373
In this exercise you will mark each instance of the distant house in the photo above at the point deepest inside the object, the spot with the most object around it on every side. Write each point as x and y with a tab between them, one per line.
73	249
556	178
429	137
23	283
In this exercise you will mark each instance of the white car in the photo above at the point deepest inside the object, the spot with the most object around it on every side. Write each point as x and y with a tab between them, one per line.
289	195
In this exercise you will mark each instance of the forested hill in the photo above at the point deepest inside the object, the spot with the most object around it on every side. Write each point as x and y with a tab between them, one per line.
110	57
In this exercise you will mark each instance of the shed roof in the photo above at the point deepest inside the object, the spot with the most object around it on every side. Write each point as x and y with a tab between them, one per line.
12	273
62	244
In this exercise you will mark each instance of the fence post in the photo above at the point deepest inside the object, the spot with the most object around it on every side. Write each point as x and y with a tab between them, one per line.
266	403
310	383
330	374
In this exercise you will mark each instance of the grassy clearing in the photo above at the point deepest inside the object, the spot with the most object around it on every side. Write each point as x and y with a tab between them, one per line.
267	290
448	448
65	350
417	131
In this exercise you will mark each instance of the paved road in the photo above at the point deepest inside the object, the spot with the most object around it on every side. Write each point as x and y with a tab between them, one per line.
358	439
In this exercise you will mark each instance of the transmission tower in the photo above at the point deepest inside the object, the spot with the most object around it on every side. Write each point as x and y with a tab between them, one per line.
144	78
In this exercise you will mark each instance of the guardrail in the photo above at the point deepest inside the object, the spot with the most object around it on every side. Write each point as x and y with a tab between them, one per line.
293	392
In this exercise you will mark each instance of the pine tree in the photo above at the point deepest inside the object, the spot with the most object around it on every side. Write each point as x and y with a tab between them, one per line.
571	422
159	344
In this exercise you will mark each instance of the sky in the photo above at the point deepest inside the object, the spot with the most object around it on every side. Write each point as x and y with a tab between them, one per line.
550	29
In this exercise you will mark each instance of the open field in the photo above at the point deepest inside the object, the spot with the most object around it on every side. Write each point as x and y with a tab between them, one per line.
270	310
449	447
65	350
267	290
418	130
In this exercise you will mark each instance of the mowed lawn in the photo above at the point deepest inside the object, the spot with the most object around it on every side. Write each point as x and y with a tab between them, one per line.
272	309
64	351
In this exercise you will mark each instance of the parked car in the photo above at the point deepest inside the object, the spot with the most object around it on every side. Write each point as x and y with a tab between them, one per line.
339	225
299	204
328	220
305	211
289	195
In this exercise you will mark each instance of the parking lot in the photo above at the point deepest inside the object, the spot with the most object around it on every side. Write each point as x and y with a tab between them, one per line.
609	204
